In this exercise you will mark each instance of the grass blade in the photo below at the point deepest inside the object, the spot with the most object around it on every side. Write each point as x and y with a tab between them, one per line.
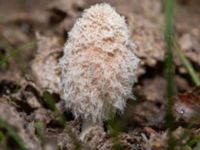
39	126
13	134
169	69
15	52
188	65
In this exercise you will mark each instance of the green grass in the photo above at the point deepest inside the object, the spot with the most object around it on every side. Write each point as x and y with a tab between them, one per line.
49	101
114	127
39	126
169	73
169	69
188	65
11	132
197	146
1	18
1	136
14	53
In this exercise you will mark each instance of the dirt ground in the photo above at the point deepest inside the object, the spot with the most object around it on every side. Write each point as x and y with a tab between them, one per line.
28	27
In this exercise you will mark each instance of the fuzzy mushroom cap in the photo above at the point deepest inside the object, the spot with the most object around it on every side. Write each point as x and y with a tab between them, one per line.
98	65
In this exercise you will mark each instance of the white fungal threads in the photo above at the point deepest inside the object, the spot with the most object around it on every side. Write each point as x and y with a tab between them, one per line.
98	65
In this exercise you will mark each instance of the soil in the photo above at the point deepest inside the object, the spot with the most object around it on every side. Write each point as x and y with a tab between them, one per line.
33	33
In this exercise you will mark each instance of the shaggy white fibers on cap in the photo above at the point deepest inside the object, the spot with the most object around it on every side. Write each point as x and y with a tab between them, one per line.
98	65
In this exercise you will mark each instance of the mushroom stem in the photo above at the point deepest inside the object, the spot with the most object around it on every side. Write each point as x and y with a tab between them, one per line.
87	125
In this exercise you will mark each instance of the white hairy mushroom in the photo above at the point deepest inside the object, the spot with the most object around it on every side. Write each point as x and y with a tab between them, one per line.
98	65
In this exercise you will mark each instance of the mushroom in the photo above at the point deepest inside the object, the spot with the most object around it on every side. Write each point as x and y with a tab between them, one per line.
98	66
